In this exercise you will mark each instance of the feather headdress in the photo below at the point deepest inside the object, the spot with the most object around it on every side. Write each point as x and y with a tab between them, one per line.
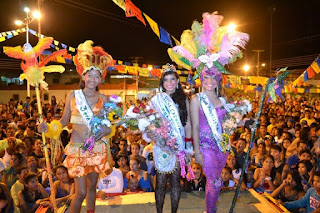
208	46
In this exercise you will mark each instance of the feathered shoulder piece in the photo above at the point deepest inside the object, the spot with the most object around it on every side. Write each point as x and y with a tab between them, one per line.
208	45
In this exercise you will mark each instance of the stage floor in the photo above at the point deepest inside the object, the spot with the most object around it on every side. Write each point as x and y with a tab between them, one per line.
248	202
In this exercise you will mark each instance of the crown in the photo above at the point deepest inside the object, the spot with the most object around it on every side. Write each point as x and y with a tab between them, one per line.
168	67
89	57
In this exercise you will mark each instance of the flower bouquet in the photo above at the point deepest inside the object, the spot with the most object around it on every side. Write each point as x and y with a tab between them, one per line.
145	119
235	111
107	116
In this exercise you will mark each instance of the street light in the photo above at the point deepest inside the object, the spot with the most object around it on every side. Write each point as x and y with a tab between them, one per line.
26	21
231	27
263	64
246	68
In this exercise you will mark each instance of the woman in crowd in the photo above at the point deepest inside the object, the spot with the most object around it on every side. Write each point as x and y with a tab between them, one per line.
62	189
257	158
85	163
172	104
265	176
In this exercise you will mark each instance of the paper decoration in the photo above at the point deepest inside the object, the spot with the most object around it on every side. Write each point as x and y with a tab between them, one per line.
120	3
155	73
132	10
120	69
175	40
56	42
131	70
154	26
165	36
72	49
316	66
144	72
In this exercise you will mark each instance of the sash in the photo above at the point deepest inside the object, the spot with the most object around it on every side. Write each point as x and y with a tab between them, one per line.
83	107
164	160
212	118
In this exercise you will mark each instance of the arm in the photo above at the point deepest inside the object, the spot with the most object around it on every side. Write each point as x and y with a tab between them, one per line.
8	196
195	109
257	178
67	110
24	206
303	202
278	190
293	145
187	127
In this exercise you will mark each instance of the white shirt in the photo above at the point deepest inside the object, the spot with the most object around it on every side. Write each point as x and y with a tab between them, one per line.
113	183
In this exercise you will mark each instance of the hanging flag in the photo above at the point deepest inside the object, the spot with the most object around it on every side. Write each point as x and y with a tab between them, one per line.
132	10
64	46
9	33
316	66
154	26
33	32
155	73
176	41
131	70
120	3
4	34
56	42
144	72
311	72
2	39
165	36
71	49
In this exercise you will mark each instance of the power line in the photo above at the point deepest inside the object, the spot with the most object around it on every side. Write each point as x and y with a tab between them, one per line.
100	14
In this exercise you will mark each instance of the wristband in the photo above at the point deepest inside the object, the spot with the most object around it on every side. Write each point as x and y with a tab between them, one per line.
188	140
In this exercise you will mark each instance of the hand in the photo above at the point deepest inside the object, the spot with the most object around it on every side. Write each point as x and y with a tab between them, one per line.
199	159
102	195
43	127
285	182
3	203
104	131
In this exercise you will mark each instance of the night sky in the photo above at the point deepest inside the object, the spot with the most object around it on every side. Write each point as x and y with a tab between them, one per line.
296	25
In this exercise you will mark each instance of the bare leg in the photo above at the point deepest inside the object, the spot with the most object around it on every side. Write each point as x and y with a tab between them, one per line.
80	194
161	182
175	189
92	179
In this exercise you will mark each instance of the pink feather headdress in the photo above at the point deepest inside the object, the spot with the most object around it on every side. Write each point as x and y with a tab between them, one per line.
208	47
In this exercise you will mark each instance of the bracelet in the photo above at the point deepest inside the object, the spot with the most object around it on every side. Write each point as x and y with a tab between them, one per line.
188	140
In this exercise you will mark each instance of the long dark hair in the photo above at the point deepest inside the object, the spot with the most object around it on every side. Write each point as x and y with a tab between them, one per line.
179	97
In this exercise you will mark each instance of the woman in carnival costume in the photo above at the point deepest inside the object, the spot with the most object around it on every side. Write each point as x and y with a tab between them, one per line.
208	47
85	163
173	105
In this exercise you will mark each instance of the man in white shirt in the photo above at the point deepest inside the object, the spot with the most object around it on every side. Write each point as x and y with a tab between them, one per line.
110	181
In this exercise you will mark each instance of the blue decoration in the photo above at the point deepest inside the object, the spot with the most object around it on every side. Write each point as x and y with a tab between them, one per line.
165	36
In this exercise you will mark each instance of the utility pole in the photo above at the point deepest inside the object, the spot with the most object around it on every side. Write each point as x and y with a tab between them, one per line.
135	60
258	60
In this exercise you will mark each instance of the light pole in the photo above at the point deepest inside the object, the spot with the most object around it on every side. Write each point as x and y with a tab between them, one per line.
26	21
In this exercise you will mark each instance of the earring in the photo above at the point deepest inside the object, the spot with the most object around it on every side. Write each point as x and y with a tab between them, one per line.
217	90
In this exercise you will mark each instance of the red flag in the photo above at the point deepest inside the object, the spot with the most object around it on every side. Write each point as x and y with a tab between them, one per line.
133	10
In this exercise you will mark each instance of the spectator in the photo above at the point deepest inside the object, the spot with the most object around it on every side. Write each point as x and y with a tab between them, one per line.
308	117
239	151
136	172
268	140
304	167
135	150
62	189
311	200
257	158
148	155
10	173
281	168
272	124
226	176
18	185
37	149
33	195
122	161
123	146
236	171
6	202
110	181
199	182
293	160
265	176
7	153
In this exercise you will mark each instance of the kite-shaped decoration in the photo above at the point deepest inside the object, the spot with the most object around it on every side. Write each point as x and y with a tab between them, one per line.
277	85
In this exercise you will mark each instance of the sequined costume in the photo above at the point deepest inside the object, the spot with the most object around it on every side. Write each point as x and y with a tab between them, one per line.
214	160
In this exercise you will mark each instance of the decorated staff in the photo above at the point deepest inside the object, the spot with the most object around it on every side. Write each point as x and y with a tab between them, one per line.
208	47
33	72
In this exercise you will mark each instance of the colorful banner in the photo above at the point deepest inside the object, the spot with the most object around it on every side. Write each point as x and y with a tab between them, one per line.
165	37
154	26
144	72
132	10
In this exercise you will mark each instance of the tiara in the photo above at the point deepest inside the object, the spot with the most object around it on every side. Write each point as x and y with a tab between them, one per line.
168	67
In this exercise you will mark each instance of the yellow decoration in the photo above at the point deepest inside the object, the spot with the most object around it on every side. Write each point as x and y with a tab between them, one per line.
111	116
54	130
112	133
153	25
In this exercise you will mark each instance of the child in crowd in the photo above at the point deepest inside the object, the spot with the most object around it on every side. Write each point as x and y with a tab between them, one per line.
10	174
236	171
37	149
257	158
249	178
19	184
135	152
199	182
226	176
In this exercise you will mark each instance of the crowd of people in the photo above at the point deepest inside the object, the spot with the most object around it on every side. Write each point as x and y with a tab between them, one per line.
284	159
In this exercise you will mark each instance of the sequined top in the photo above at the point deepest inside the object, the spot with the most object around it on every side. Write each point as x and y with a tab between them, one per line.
206	138
76	117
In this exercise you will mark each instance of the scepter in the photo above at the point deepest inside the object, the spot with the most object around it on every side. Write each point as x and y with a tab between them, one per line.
253	131
33	72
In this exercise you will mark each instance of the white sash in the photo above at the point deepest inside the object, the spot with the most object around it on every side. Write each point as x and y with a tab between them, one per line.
164	160
83	107
212	117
